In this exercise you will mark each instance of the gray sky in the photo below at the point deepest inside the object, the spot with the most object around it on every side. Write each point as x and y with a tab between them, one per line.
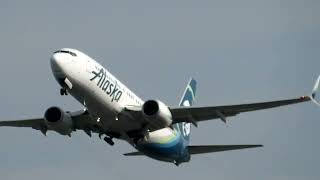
239	51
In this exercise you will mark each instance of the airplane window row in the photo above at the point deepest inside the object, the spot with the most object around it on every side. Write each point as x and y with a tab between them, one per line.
68	52
133	98
129	95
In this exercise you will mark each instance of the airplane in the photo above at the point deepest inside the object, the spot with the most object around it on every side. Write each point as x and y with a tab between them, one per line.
113	111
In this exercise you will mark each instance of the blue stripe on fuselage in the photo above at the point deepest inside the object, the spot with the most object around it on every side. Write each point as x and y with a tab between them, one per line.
174	150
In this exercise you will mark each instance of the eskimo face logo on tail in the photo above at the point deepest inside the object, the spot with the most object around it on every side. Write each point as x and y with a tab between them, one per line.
111	89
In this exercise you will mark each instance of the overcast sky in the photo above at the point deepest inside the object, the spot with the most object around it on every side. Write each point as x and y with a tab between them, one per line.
239	51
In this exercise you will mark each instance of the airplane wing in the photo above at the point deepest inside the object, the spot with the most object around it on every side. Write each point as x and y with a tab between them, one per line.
194	114
197	114
32	123
81	121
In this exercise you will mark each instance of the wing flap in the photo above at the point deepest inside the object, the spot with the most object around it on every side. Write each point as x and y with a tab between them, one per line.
218	148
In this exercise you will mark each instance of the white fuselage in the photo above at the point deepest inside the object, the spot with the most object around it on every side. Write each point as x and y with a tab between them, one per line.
101	93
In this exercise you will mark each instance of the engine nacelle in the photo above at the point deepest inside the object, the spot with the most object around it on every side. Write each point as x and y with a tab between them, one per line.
59	121
157	114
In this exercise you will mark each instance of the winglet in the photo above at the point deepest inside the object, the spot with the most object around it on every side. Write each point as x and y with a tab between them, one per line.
315	92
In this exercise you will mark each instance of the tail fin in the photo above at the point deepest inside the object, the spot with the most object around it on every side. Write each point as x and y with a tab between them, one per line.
189	95
188	99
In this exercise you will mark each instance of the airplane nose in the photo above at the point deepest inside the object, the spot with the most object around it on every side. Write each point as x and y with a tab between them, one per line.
56	61
59	64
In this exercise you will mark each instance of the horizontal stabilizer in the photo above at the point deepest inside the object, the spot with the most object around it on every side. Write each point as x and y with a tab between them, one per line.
134	154
218	148
207	149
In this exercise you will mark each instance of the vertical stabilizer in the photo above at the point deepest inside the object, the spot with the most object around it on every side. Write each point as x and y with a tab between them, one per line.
189	95
187	99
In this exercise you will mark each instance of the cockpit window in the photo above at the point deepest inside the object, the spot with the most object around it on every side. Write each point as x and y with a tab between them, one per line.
68	52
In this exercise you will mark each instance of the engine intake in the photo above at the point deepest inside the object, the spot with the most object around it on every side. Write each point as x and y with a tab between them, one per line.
157	114
59	121
151	108
53	114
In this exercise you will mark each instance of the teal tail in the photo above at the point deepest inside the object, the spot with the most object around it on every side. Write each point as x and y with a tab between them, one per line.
187	99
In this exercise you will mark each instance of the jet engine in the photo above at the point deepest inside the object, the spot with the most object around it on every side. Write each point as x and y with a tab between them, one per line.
59	121
157	114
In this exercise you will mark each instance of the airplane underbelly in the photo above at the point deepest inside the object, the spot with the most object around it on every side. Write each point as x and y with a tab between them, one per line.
103	104
99	107
165	145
